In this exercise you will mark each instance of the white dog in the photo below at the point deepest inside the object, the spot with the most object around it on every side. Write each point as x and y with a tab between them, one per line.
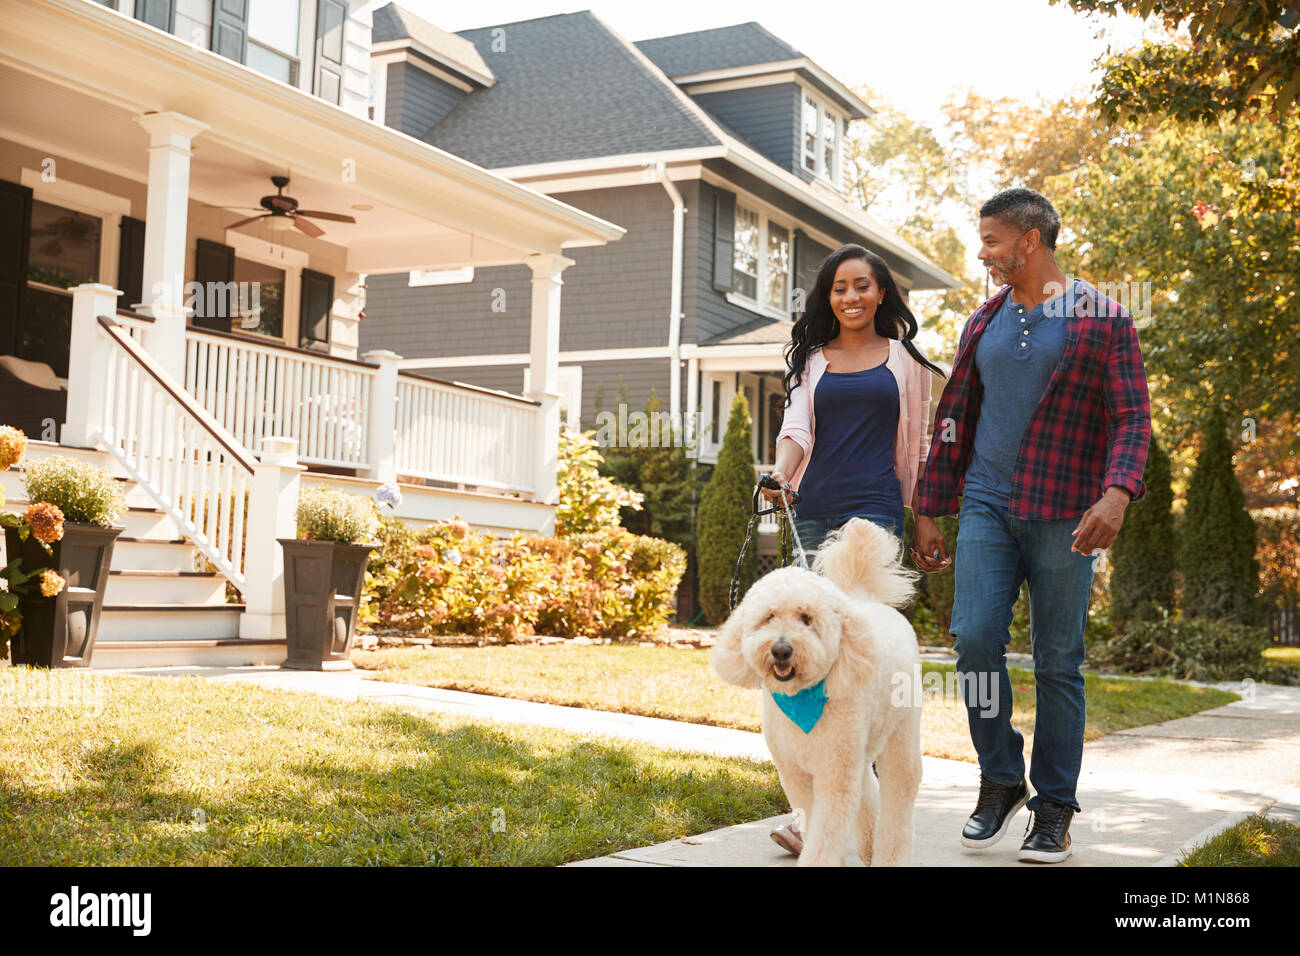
837	631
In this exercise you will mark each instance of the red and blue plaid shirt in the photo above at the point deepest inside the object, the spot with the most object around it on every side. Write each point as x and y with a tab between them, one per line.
1090	430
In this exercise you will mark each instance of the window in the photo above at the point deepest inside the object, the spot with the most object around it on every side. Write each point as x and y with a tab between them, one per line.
821	139
273	39
762	262
745	280
261	309
64	251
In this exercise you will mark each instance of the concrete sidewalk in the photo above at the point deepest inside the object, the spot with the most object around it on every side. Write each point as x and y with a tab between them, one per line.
1148	793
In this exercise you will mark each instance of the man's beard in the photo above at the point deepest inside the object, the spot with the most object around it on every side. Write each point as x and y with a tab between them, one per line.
1003	269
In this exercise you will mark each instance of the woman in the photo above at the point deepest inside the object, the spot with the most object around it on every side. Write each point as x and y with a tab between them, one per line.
856	383
854	379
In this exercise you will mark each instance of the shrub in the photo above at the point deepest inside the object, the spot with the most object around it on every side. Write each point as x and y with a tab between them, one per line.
1220	572
1192	649
725	509
935	594
1144	555
84	492
328	514
447	579
588	500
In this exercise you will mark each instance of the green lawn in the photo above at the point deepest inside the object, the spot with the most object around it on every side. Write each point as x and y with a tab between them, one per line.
184	771
676	683
1253	842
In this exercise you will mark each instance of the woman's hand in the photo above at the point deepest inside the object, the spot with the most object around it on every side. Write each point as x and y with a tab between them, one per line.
929	552
774	496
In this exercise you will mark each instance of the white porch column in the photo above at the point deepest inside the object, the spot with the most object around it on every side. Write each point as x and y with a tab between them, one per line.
87	364
544	372
272	513
381	423
166	218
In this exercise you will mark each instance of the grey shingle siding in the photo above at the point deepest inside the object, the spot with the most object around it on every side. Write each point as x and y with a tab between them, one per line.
614	296
766	117
417	100
742	44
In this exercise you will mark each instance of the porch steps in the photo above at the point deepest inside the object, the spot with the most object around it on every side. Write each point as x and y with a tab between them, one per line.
161	608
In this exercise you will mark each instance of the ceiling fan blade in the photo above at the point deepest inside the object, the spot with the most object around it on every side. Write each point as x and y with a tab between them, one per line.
310	228
332	216
245	222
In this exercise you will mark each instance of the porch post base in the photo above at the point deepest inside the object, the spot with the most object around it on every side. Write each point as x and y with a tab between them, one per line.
262	626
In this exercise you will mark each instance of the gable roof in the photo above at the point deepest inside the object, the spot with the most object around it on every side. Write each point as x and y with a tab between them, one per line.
392	24
567	87
744	44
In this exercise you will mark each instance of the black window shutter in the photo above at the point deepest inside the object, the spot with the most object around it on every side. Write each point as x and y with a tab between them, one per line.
214	263
724	239
156	13
330	16
314	312
130	262
230	29
15	243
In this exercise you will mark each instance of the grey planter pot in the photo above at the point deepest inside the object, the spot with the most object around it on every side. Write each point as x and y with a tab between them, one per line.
322	595
60	631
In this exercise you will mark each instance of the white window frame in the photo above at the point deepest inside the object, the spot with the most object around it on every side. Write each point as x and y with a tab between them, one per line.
824	110
760	304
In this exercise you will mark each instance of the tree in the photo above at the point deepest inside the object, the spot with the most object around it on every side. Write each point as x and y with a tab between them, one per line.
1144	556
725	509
1220	570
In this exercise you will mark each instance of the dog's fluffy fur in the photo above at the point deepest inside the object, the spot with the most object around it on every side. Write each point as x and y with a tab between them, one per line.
841	624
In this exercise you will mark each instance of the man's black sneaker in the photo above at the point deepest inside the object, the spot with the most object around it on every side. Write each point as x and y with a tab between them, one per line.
996	805
1049	839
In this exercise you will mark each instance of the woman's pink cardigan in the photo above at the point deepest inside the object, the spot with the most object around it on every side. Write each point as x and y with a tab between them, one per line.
913	441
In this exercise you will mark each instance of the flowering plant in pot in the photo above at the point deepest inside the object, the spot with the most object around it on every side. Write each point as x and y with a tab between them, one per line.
324	571
58	555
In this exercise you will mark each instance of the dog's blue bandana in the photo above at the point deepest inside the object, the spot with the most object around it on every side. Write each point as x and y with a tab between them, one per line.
804	708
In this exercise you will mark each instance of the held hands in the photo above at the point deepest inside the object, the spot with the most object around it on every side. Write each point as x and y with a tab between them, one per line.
1100	523
929	553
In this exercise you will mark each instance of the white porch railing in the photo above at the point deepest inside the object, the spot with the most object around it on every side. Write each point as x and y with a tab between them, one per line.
463	435
257	390
188	463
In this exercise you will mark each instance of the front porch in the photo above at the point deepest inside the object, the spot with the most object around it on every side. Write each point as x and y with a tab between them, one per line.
128	160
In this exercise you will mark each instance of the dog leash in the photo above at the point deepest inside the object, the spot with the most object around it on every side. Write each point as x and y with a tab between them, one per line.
787	502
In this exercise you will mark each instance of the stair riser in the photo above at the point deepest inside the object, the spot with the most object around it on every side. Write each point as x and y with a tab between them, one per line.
179	655
153	556
138	624
126	589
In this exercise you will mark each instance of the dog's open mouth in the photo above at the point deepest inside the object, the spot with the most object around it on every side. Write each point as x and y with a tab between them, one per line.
783	671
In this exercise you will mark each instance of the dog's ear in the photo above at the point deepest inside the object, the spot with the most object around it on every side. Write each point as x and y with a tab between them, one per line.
855	662
727	658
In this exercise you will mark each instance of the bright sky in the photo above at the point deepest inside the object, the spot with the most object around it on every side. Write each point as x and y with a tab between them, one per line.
913	51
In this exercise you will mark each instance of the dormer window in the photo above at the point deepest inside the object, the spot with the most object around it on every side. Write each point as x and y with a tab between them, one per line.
821	139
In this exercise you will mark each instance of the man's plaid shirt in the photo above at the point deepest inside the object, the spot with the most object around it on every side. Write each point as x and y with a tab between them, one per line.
1090	430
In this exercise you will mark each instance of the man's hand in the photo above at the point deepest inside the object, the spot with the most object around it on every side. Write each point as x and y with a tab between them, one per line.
1100	523
929	552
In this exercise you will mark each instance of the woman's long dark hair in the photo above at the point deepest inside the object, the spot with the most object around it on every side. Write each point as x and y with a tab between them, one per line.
818	325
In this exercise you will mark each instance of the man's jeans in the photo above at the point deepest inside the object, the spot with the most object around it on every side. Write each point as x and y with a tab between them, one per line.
994	554
813	531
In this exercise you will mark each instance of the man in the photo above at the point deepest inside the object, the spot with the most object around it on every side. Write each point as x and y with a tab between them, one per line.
1043	431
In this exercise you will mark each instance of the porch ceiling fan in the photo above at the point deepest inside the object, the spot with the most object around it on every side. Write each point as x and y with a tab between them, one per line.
284	214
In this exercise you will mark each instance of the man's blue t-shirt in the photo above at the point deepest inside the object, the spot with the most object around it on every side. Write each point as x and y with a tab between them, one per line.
1015	358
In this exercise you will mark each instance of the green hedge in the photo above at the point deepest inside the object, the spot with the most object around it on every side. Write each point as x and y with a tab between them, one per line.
1192	649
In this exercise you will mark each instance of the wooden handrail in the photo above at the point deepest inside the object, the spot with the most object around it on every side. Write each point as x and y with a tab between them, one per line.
132	314
183	398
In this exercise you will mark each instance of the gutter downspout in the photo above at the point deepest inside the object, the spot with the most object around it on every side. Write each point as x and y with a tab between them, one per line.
675	305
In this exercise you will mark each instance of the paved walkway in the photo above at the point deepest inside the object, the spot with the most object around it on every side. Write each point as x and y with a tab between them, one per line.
1148	793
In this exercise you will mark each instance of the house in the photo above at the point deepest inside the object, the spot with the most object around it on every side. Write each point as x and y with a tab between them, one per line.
722	153
193	200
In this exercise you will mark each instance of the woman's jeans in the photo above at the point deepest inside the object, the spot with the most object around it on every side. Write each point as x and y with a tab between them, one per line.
994	554
813	531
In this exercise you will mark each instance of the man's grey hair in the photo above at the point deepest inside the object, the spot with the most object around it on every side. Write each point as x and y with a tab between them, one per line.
1023	209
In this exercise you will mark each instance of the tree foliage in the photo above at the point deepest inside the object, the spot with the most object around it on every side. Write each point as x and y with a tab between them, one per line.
725	509
1220	570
